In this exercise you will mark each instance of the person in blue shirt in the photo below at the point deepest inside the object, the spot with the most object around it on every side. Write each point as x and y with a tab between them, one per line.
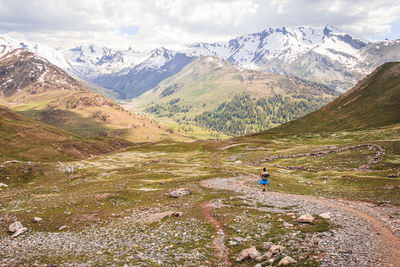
264	179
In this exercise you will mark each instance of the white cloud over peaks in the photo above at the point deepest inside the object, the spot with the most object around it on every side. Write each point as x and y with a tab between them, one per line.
172	23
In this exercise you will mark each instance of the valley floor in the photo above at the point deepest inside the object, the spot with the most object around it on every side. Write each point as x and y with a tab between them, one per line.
117	209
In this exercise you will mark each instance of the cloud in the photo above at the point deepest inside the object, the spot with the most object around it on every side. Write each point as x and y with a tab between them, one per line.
171	23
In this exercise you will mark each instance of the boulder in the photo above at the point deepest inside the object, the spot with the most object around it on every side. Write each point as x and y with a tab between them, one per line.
306	218
286	261
248	253
180	192
16	228
325	215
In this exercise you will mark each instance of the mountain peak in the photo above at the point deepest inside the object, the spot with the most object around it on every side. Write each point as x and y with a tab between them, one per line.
331	29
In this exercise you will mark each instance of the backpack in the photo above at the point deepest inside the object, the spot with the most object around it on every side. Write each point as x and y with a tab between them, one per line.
265	176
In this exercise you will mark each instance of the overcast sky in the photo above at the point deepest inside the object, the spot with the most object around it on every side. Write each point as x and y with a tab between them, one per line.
153	23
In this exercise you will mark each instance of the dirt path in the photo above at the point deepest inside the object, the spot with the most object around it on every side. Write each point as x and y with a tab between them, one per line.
222	251
389	247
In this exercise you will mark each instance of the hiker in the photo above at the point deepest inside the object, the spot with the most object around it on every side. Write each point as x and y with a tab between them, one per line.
264	179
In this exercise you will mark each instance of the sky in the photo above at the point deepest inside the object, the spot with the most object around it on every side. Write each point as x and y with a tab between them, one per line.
148	24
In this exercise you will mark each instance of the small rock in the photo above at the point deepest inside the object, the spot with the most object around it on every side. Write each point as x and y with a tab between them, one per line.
3	185
285	224
178	214
254	253
247	254
273	250
17	228
62	227
325	177
306	218
69	169
324	182
286	261
266	245
179	192
37	219
238	162
233	243
264	257
280	185
276	249
392	175
325	215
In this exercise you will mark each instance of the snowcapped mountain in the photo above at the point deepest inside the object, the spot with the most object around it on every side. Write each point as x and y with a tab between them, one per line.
92	61
55	57
161	64
326	55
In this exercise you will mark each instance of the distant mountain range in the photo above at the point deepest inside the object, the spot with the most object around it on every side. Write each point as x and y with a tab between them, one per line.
329	56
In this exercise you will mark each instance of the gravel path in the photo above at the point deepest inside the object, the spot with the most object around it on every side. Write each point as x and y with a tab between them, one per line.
121	241
360	240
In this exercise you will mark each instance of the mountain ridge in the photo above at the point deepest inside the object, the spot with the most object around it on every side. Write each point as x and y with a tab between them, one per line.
373	102
208	84
326	55
41	90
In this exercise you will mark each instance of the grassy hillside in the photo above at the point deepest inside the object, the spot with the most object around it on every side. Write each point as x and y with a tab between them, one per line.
22	138
199	93
42	91
373	102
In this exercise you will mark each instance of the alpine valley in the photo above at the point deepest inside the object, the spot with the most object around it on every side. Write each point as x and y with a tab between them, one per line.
153	158
319	57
